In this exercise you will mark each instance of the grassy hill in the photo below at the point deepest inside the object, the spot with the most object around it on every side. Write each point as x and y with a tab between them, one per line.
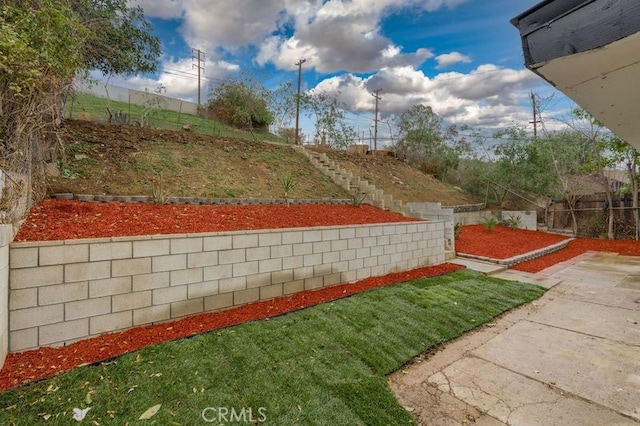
104	159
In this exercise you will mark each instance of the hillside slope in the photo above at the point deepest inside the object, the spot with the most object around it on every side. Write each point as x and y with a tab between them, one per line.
125	160
397	178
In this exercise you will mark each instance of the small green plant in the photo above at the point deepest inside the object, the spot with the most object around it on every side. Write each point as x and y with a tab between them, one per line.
457	230
158	189
289	183
514	222
69	174
358	197
489	222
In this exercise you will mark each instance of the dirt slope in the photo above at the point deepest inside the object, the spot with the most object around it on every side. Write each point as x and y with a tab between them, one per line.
399	179
124	160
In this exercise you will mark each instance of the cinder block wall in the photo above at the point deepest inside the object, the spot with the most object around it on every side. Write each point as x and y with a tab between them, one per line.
6	235
63	291
470	218
528	218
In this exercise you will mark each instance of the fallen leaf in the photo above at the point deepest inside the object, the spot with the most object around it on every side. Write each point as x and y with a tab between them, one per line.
87	399
51	389
151	411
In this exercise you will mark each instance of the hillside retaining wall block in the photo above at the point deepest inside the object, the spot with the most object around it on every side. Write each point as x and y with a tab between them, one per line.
62	291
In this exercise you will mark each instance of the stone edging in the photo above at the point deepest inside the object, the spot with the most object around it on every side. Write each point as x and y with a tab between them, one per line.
195	200
465	208
521	257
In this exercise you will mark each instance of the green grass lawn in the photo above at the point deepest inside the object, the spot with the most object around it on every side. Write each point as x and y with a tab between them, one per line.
156	117
323	365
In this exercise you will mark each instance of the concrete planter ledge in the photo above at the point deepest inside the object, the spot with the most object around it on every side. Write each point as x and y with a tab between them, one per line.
510	261
198	201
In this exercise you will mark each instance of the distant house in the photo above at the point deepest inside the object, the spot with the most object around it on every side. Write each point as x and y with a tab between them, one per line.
594	183
589	50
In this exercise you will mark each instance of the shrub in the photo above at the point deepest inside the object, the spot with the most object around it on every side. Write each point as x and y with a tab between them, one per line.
514	222
358	197
289	183
489	222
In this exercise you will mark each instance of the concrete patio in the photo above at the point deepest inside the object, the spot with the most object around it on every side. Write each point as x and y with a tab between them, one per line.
570	358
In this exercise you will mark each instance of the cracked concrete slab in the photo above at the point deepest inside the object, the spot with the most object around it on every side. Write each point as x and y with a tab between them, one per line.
569	358
515	399
433	407
602	371
586	292
593	319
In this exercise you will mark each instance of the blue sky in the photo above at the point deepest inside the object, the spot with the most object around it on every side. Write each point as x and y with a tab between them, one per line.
461	57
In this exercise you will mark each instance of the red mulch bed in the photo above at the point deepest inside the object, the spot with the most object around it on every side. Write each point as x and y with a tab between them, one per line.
72	219
30	366
576	248
502	242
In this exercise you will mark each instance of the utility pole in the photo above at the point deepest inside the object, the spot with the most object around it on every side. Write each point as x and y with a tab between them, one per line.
197	54
375	120
299	64
534	106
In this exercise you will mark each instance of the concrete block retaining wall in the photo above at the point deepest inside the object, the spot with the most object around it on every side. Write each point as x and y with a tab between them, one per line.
64	291
435	211
6	235
470	218
528	218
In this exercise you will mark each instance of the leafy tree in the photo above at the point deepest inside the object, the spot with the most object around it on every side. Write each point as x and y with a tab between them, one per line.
630	157
596	141
289	133
39	54
331	126
119	40
282	104
43	44
241	102
423	142
522	164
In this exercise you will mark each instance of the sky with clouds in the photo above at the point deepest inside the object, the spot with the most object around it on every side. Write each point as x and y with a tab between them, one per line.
461	57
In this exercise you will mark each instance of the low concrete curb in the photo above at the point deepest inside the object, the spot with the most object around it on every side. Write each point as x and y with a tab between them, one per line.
521	257
198	201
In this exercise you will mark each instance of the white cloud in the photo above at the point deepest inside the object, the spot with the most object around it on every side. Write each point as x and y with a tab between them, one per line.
180	79
343	36
229	24
452	58
333	35
487	97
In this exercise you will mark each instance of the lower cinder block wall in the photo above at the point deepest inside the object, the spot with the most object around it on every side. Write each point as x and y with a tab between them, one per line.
63	291
6	235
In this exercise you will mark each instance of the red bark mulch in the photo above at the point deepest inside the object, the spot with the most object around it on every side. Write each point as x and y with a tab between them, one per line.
37	364
578	247
72	219
502	242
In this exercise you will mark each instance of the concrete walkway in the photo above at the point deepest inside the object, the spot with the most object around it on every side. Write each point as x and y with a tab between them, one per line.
570	358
